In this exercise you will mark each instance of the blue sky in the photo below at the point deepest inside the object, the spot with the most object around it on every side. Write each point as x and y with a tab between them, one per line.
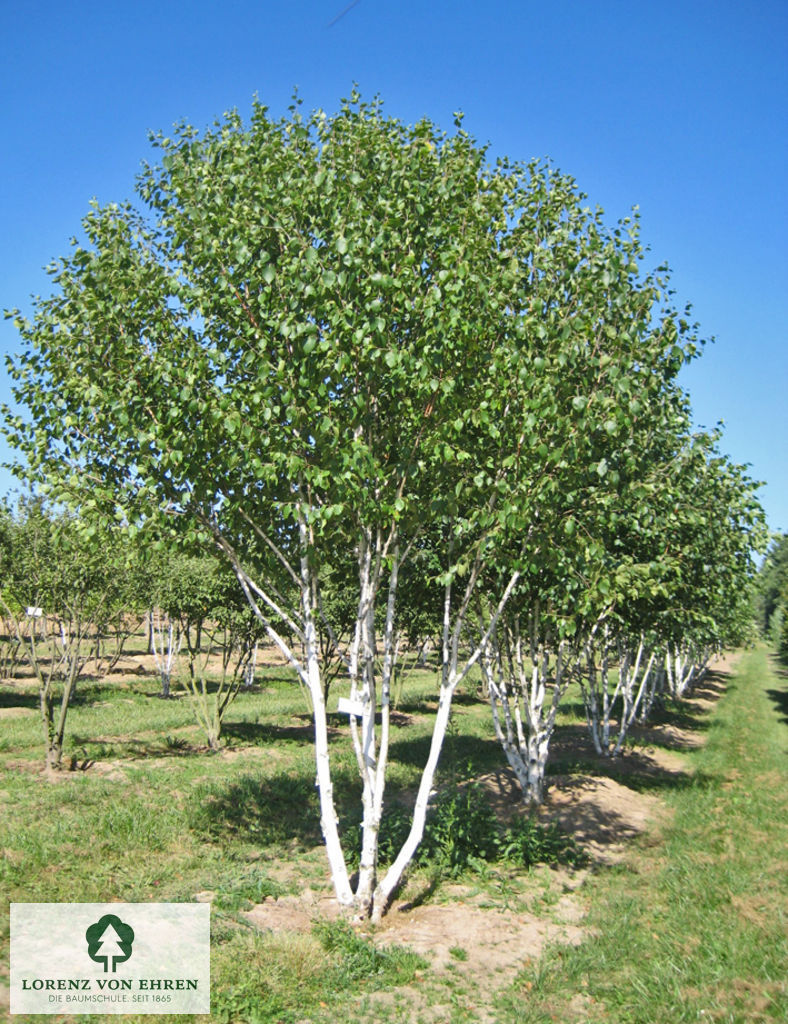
677	107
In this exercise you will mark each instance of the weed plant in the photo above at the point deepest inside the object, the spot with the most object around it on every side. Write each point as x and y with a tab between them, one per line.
462	830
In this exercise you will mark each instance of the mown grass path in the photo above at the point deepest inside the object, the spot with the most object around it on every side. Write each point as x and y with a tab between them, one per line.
694	927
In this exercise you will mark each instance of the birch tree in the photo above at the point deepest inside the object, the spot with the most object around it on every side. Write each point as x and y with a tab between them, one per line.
301	348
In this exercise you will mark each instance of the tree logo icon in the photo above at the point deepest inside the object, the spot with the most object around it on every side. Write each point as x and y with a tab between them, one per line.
109	941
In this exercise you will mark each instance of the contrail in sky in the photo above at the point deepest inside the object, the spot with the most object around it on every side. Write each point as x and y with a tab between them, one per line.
342	13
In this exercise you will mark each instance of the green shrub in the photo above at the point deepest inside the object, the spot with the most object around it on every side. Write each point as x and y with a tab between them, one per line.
462	830
527	843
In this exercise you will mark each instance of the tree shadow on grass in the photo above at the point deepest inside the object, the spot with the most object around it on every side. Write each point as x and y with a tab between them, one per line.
263	810
714	685
780	700
427	703
678	714
263	734
584	819
637	772
462	755
132	750
18	698
86	693
275	809
651	778
572	754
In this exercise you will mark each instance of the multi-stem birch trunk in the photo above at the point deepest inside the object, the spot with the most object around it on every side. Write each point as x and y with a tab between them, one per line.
635	673
372	750
299	622
606	702
655	687
680	669
686	665
165	641
379	553
612	707
517	687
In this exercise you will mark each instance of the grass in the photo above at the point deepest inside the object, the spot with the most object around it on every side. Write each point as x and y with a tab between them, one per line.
695	928
282	977
150	814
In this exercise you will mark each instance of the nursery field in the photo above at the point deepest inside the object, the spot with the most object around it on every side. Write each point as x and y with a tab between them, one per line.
650	888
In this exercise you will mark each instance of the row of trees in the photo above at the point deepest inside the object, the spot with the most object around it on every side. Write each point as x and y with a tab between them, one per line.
342	349
771	599
71	596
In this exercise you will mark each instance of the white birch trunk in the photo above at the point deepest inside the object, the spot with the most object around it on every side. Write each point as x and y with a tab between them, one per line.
528	730
653	689
328	815
395	872
511	738
375	760
632	699
371	896
166	654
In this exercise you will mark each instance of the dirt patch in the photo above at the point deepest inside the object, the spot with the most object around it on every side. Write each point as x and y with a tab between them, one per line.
110	770
488	936
270	754
71	769
725	663
28	767
603	815
482	948
294	913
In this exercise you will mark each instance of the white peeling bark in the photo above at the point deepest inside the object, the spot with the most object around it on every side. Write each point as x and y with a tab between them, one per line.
655	686
164	658
631	700
394	874
451	677
328	814
376	760
519	692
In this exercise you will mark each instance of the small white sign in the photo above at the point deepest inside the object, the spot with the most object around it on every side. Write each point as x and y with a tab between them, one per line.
35	613
75	958
350	707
